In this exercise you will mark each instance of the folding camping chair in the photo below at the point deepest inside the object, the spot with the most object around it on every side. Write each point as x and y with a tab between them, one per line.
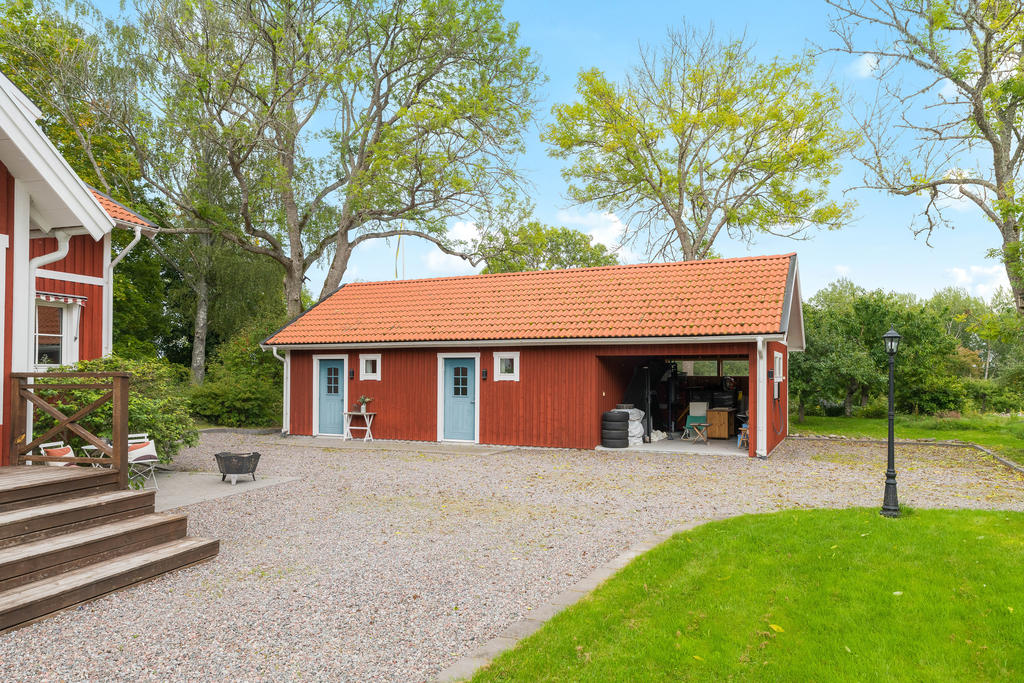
59	446
142	459
697	422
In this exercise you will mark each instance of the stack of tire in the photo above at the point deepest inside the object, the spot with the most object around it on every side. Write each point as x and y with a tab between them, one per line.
615	429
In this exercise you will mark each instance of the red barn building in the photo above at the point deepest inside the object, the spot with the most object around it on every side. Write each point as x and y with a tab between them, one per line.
533	359
56	270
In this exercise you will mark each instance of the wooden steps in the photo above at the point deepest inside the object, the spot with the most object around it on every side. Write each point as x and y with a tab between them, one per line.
66	537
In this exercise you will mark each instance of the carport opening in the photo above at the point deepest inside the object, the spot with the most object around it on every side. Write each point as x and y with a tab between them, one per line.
666	387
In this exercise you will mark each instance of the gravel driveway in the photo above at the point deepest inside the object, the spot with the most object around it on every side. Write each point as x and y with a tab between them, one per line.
388	563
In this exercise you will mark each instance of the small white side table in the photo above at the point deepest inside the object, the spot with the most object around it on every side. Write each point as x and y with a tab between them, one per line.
367	427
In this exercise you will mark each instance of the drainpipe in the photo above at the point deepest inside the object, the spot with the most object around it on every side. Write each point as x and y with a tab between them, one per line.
63	245
762	401
285	403
108	292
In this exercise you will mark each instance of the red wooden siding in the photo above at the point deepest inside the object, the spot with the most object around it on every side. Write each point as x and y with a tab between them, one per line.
85	257
557	401
6	228
778	410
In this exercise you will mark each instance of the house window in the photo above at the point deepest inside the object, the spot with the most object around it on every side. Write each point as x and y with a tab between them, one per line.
333	380
369	366
50	328
779	368
506	366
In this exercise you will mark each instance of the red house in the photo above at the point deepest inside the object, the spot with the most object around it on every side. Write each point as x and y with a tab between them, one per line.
56	270
533	359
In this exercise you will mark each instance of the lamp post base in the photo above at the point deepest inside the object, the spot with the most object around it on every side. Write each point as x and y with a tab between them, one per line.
890	504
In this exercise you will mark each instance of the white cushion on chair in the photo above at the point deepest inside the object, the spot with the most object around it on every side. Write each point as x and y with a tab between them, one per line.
144	451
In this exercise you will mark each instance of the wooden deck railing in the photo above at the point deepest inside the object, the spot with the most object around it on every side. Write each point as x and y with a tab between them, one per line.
25	391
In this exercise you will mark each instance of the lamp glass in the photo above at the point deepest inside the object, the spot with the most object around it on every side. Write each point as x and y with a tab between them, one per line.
892	342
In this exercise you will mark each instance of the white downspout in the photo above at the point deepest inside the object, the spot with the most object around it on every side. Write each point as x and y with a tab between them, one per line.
63	246
108	292
285	403
762	401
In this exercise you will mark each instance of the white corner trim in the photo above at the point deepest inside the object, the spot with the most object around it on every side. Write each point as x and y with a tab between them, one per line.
317	357
4	242
500	376
762	399
440	395
22	285
369	376
286	420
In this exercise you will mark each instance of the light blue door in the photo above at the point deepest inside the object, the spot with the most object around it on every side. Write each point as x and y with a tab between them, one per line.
460	399
332	396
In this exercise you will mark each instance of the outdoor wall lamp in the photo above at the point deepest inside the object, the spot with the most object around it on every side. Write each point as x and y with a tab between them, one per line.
484	373
351	373
890	503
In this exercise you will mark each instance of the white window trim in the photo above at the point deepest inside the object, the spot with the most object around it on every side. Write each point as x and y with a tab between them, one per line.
500	376
71	318
369	376
440	397
317	357
780	368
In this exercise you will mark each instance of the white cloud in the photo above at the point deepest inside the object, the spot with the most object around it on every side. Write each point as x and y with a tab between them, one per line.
981	281
863	67
444	264
603	228
842	270
463	231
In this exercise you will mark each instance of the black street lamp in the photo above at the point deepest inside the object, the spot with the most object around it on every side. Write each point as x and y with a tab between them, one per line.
890	504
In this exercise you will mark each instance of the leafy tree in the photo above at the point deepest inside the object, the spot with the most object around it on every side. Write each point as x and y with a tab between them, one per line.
700	139
961	110
244	387
536	246
336	121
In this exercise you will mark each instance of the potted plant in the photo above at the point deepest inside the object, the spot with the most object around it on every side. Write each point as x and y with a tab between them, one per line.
362	401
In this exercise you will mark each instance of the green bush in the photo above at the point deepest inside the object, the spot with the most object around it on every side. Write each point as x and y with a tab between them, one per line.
932	395
157	403
985	395
877	407
243	383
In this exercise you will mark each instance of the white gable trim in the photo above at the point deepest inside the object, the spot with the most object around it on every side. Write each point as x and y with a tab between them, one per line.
51	170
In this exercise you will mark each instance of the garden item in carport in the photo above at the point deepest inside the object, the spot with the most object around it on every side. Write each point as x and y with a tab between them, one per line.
234	464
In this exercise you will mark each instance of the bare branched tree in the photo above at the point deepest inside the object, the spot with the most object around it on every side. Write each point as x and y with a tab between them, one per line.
947	120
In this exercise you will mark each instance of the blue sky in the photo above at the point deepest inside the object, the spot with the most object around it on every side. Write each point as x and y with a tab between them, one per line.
877	250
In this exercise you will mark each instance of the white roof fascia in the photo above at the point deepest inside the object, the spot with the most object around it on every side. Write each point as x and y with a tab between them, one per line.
554	341
18	124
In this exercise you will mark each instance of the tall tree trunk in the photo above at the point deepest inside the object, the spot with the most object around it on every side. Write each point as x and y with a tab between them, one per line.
293	290
848	402
1013	261
801	414
202	291
863	395
339	264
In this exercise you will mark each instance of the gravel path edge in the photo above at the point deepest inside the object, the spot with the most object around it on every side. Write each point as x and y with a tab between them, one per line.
916	442
469	664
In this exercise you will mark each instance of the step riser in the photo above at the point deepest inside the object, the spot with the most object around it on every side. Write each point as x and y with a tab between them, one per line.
82	511
33	497
25	614
29	569
76	526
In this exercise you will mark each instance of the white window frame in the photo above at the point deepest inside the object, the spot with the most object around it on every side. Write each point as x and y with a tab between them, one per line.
440	397
368	376
70	320
317	357
780	368
500	376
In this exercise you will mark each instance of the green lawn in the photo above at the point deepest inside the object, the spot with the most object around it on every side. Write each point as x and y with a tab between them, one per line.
1001	434
817	595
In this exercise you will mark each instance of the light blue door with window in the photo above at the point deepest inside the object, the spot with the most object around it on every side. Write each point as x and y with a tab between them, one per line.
460	399
332	396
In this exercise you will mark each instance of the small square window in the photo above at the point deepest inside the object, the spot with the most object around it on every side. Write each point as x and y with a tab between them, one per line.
369	366
506	366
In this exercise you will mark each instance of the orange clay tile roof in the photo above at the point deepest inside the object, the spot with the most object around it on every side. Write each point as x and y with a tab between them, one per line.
119	212
739	296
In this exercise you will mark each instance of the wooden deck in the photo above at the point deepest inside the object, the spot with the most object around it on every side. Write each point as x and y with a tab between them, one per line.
71	534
